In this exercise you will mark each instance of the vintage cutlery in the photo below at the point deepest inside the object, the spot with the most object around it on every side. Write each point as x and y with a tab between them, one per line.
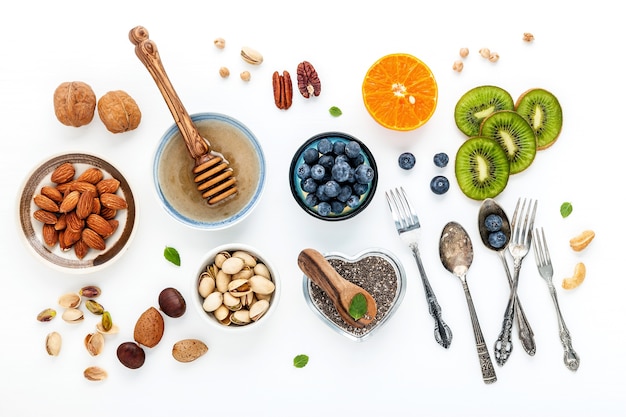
544	264
408	225
213	176
488	207
456	253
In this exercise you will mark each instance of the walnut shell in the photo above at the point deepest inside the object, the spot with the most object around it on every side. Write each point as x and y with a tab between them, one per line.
74	103
119	111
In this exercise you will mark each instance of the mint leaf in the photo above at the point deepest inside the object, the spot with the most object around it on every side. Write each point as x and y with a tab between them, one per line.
335	111
358	306
566	209
300	361
172	255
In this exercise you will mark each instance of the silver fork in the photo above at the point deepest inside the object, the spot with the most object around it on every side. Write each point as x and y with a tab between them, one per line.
407	225
544	264
521	236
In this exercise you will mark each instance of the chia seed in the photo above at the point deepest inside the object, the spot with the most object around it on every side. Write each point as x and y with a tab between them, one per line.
373	273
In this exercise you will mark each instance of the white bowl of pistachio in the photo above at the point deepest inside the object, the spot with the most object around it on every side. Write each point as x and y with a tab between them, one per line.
235	287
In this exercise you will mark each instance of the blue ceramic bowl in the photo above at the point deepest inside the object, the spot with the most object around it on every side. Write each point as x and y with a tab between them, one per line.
356	203
173	177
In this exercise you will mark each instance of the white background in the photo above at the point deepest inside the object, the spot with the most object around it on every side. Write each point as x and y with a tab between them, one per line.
577	54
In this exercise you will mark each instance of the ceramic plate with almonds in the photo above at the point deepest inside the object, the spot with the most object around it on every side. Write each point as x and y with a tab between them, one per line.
77	212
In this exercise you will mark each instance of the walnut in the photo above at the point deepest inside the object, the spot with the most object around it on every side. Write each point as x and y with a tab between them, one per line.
119	111
74	103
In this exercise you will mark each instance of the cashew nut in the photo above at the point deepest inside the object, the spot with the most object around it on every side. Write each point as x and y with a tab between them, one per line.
579	276
581	241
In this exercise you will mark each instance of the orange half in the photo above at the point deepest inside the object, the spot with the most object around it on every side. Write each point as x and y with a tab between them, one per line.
400	92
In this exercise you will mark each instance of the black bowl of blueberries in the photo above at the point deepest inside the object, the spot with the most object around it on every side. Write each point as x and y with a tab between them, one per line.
333	176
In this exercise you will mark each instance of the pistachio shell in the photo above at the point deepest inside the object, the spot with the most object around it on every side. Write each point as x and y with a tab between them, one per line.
53	344
233	265
261	285
70	300
245	273
73	315
94	343
213	301
113	330
95	373
251	56
258	309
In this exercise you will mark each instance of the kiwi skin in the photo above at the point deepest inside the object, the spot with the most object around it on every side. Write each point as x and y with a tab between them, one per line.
515	135
543	112
478	103
481	168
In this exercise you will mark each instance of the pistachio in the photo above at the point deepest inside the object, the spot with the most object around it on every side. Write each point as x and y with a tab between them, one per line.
73	315
247	259
222	314
251	56
262	269
206	286
113	330
220	258
69	300
213	301
231	302
261	285
95	373
94	343
245	273
53	344
46	315
258	309
222	280
94	307
240	317
90	291
239	287
107	321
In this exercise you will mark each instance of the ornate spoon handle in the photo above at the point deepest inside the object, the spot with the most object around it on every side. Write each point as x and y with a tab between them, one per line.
504	346
570	357
443	334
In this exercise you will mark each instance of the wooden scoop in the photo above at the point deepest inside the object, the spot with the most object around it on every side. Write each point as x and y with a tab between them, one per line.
339	290
213	176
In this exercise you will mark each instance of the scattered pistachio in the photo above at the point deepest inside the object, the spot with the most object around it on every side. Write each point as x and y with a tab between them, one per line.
107	322
53	344
90	291
113	330
46	315
464	52
219	43
245	75
94	343
251	56
224	72
95	373
457	66
484	52
69	300
73	315
94	307
528	37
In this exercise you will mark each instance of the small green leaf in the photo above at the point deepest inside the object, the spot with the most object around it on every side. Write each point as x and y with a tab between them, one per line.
172	255
358	306
335	111
566	209
300	361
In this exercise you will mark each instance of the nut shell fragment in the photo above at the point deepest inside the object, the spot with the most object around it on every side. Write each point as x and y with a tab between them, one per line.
72	315
53	343
95	373
70	300
94	343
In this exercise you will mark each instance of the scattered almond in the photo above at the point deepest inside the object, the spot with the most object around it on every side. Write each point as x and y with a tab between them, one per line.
149	328
580	242
188	350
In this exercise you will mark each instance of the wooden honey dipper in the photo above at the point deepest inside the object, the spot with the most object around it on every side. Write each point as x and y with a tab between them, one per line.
214	178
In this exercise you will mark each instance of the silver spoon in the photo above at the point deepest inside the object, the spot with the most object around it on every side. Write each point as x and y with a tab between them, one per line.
457	253
503	345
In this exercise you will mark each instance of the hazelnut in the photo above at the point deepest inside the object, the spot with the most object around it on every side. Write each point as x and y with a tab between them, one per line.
172	303
464	52
484	52
219	43
74	103
131	355
457	66
224	72
119	111
245	75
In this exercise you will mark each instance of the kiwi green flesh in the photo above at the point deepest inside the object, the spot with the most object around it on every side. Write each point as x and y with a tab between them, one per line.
543	112
481	168
478	103
515	135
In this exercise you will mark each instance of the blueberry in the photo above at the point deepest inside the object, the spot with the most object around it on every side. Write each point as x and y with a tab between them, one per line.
332	188
342	158
353	149
324	208
317	172
360	189
344	193
327	161
497	239
308	185
364	174
406	160
353	201
337	206
439	184
441	159
304	171
340	171
325	146
311	200
339	147
357	160
321	193
310	156
493	222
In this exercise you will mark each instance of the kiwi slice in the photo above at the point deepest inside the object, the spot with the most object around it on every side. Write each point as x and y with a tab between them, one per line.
481	168
478	103
543	112
515	136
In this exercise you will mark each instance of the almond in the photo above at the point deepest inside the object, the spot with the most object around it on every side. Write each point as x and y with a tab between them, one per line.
188	350
61	222
64	188
85	204
113	201
110	185
52	193
100	225
95	208
149	328
74	223
91	175
70	237
108	213
69	202
45	217
45	203
50	235
114	224
63	173
62	244
81	249
93	239
82	186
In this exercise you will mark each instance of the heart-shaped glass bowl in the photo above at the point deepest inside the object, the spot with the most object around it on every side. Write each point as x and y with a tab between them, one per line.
67	261
377	271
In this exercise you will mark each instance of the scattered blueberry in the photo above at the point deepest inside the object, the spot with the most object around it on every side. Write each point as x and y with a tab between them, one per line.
364	174
441	159
310	156
493	222
317	172
324	208
353	149
325	146
406	160
497	239
439	184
